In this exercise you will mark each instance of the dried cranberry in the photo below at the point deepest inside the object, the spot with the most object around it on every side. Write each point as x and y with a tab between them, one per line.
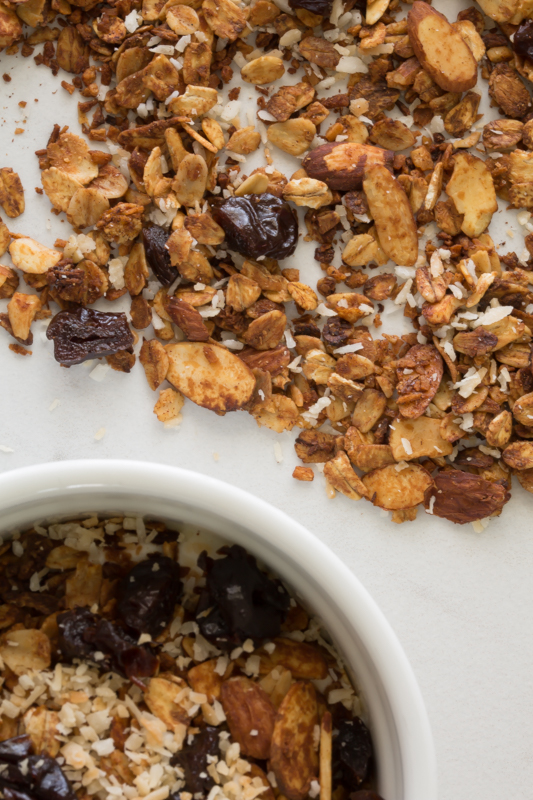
242	602
86	333
523	39
322	7
147	595
258	225
82	634
193	760
40	779
353	751
157	255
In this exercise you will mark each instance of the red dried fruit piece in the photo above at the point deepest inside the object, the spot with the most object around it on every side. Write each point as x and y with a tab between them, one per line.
462	497
86	333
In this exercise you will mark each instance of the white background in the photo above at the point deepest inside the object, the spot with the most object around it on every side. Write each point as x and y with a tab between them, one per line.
460	602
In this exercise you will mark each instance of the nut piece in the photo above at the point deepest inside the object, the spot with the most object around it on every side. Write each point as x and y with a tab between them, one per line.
319	51
293	756
415	438
210	375
343	166
159	697
169	405
508	91
304	661
30	256
303	474
263	70
224	18
154	359
440	49
248	708
70	154
188	319
462	497
303	295
21	310
342	477
289	99
11	193
42	727
23	650
394	489
266	331
472	189
390	208
307	192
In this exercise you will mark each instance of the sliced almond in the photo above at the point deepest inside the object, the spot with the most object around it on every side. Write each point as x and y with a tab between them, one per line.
304	661
248	708
293	756
472	190
440	49
25	650
392	215
393	489
30	256
415	438
42	726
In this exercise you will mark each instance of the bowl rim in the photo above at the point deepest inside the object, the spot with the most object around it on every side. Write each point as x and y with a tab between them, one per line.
28	484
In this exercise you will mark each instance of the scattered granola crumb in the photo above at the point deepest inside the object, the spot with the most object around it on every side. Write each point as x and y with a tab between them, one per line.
100	433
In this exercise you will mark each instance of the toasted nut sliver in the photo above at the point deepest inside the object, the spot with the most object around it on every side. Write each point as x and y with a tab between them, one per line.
254	184
325	776
11	193
263	70
159	697
155	361
423	435
392	215
292	756
30	256
24	650
304	661
472	189
248	707
393	489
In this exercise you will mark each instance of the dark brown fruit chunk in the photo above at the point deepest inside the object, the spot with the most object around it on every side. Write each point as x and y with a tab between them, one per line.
157	255
258	225
523	39
244	602
322	7
86	333
353	751
147	595
193	761
39	778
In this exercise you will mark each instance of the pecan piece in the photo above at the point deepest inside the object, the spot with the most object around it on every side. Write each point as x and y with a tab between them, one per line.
419	376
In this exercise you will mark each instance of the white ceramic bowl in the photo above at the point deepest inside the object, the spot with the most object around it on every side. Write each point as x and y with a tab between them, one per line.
398	720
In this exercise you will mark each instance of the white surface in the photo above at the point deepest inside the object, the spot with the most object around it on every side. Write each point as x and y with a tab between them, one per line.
406	760
460	602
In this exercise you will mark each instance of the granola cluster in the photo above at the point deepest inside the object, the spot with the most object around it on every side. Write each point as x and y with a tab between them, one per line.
397	176
131	668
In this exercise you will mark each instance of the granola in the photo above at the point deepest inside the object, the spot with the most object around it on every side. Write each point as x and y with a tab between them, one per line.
131	668
396	177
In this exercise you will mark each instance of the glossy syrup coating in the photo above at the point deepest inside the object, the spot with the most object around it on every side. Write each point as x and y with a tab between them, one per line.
193	761
523	39
258	225
244	603
82	633
353	751
86	333
39	778
148	594
154	239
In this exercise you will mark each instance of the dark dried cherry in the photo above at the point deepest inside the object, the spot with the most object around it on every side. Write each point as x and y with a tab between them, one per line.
365	794
193	760
337	331
41	777
82	634
86	333
353	751
241	601
258	225
523	39
322	7
148	593
155	239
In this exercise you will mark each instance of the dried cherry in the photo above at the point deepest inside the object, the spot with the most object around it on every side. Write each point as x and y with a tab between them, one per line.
322	7
193	760
82	634
258	225
41	777
148	593
353	751
86	333
155	239
523	39
241	601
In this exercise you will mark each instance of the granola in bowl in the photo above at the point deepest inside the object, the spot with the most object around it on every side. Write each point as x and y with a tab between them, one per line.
135	665
189	219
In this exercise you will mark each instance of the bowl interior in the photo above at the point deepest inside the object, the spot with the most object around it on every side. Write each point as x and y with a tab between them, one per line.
402	739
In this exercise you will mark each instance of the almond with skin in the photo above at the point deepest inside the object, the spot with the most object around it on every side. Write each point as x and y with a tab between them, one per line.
248	708
440	49
462	497
390	208
342	166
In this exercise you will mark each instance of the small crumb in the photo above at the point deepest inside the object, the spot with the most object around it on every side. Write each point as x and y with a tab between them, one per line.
18	131
216	456
6	77
303	474
20	350
100	433
23	103
278	453
54	404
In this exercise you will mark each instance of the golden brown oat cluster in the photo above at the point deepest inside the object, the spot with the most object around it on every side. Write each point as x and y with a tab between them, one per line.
398	177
